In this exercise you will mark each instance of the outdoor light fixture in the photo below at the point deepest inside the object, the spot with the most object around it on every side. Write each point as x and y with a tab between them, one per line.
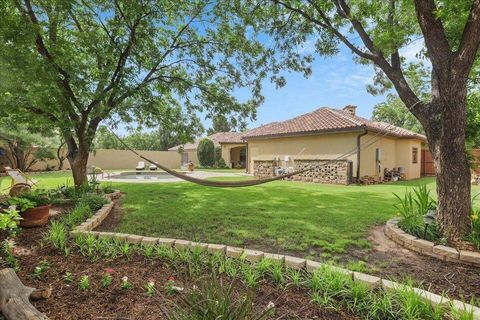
428	219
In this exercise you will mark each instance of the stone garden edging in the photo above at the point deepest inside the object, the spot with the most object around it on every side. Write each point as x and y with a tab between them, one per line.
372	282
394	233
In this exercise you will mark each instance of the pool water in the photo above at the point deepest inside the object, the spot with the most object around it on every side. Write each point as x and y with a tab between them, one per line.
142	175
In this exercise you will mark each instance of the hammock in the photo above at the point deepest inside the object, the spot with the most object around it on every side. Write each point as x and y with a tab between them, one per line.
210	183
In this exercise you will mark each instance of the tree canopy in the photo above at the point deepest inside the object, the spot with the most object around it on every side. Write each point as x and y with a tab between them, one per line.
376	32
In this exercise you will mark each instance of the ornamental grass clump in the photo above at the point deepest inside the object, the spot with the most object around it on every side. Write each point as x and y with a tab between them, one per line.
412	207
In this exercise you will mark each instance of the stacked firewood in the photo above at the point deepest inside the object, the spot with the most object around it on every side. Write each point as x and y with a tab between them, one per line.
394	174
368	180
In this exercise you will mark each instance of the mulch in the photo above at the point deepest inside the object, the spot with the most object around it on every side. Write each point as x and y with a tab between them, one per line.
387	259
69	302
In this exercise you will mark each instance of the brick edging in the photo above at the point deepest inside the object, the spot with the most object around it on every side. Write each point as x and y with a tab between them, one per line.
394	233
372	282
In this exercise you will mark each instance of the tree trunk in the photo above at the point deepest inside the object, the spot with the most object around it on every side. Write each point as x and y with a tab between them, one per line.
14	298
446	138
78	163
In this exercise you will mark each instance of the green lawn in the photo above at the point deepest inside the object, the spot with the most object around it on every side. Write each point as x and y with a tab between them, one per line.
281	216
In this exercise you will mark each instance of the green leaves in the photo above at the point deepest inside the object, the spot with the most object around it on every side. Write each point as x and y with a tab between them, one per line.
134	61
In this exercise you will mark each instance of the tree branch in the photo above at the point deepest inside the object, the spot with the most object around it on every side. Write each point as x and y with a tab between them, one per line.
434	33
325	24
470	41
64	80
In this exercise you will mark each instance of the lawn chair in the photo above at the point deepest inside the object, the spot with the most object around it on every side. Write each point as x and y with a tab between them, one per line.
153	167
20	181
19	177
140	166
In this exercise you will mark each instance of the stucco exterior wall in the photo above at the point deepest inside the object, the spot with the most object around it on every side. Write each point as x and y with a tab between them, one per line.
393	152
326	146
125	159
404	157
231	152
368	164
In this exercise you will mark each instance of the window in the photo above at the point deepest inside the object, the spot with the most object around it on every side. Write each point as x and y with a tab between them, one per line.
414	155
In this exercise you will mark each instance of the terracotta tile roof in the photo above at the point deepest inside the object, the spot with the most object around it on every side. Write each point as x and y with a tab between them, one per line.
326	120
217	138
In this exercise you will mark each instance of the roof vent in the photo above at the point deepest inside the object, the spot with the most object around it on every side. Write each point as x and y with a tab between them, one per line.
350	109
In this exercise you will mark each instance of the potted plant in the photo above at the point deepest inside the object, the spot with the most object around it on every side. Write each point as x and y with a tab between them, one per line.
34	208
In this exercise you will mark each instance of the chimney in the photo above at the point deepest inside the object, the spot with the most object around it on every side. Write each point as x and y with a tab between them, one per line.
350	109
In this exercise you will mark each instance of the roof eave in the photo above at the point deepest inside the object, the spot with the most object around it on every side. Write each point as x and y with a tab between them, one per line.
305	133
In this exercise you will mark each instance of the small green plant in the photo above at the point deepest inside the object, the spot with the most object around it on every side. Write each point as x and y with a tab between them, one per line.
295	277
148	251
250	276
57	235
150	288
8	252
68	277
84	283
107	278
21	204
40	269
93	201
277	274
170	288
32	199
125	284
474	235
221	303
9	220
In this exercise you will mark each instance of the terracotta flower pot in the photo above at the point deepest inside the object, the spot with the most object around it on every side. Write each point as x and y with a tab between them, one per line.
35	217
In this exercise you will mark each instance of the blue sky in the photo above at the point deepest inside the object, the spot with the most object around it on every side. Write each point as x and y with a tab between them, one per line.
335	82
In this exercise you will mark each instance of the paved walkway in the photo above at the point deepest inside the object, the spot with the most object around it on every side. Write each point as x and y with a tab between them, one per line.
197	174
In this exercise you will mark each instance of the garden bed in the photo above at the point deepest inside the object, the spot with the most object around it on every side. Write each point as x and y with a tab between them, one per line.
153	270
69	302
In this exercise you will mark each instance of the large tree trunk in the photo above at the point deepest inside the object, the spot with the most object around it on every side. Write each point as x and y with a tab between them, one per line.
446	138
78	158
78	163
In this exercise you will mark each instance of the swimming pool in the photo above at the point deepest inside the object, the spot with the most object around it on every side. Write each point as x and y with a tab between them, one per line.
142	175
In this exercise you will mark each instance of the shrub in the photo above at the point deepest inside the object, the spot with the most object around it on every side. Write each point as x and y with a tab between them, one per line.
221	164
93	201
412	207
206	152
218	154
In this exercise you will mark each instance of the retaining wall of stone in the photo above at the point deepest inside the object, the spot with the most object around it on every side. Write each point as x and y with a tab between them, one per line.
393	232
255	256
323	171
263	168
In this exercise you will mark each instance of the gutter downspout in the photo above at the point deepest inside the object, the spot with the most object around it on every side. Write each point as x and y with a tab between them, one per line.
364	133
247	160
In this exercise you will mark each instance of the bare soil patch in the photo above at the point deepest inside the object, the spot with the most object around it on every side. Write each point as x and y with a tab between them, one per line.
389	260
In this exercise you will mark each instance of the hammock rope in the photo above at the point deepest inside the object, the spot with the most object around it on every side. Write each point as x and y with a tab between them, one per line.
251	182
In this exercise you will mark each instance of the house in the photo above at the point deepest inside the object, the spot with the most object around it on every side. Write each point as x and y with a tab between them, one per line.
340	145
234	149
